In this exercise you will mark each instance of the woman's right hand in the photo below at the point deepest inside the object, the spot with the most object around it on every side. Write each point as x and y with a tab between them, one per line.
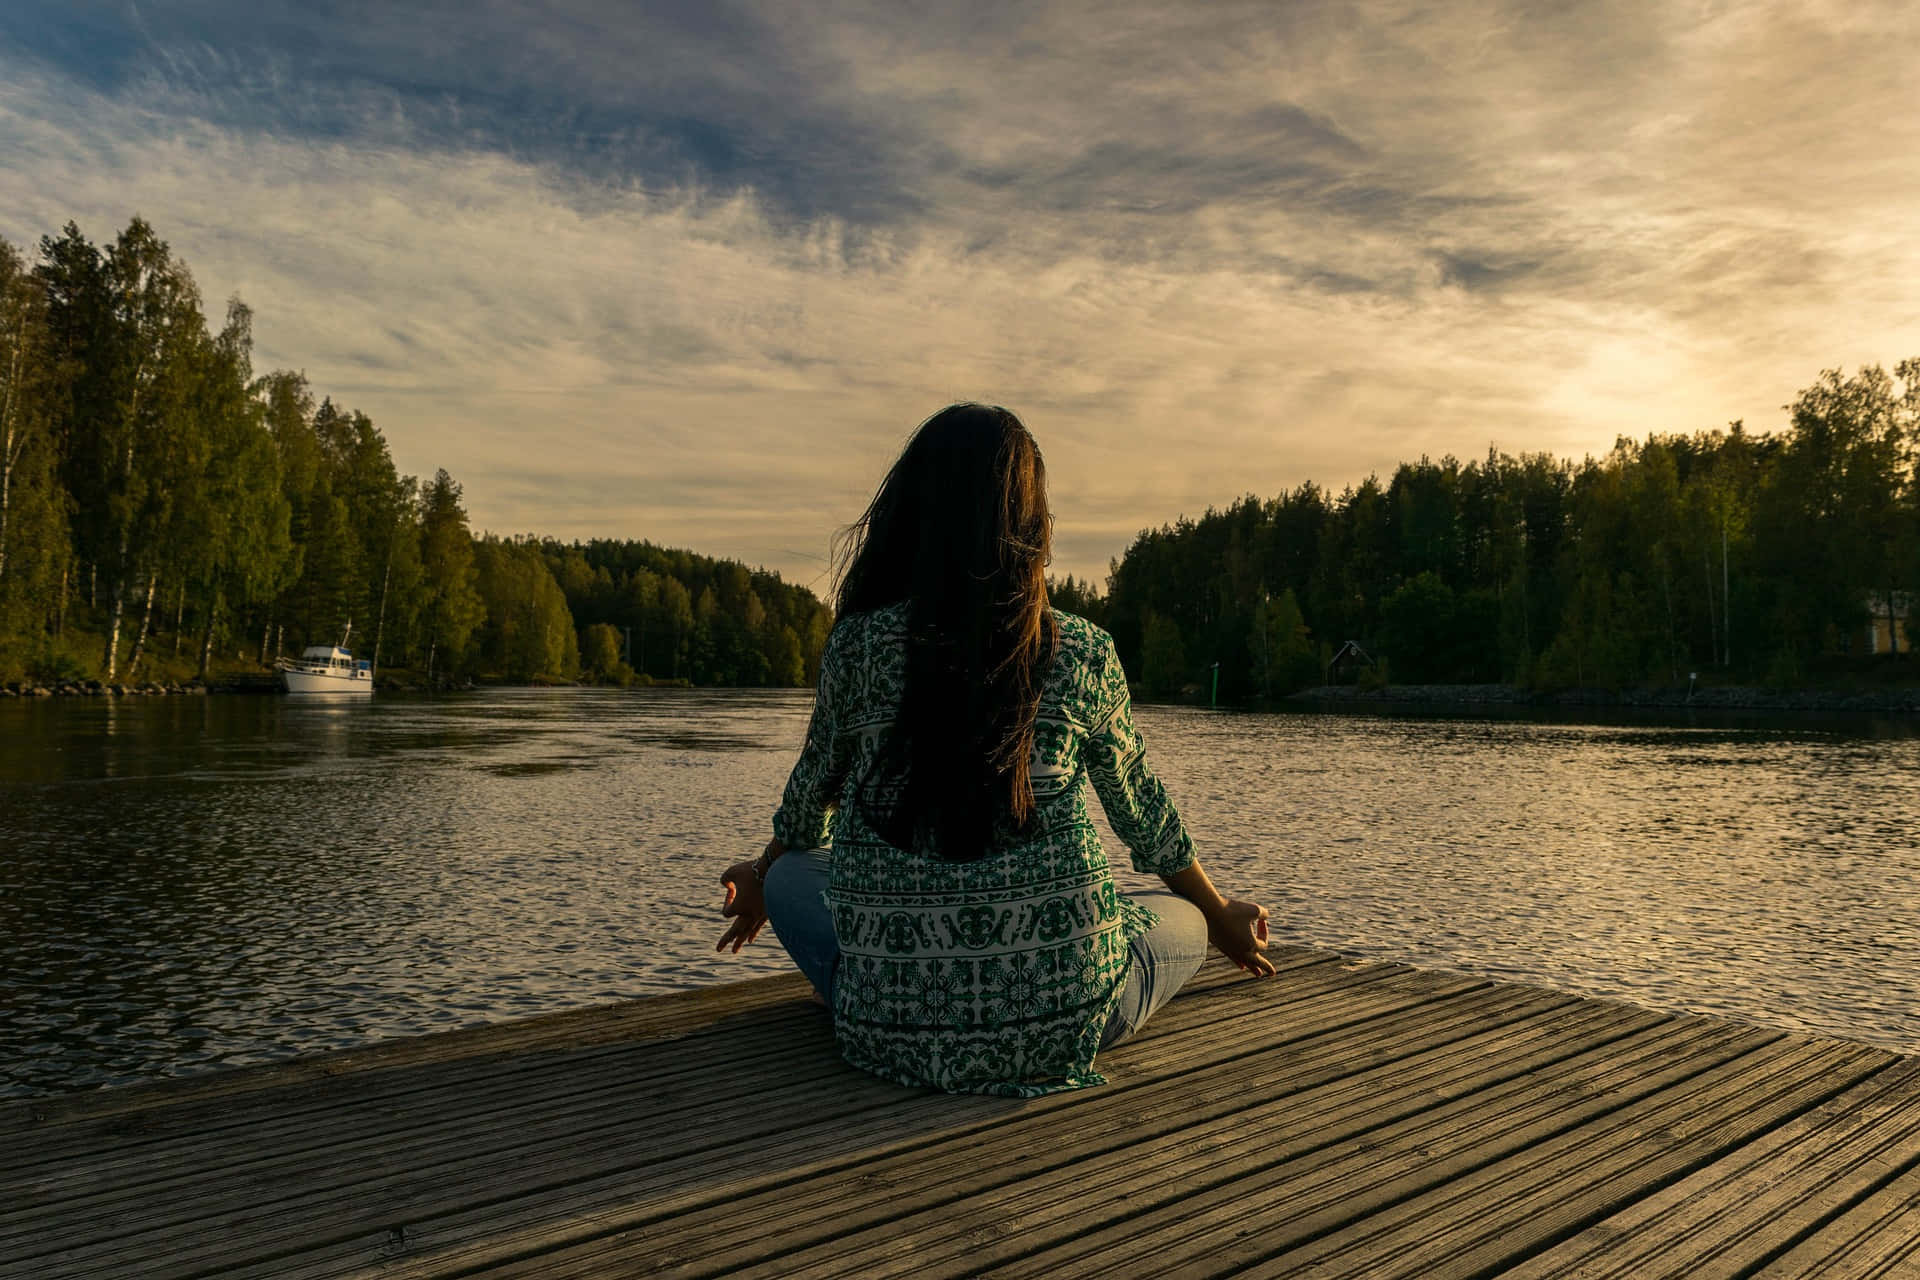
1238	930
745	903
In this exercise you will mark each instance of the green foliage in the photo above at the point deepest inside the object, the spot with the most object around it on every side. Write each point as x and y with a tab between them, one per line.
1281	647
600	655
687	616
1418	628
161	503
453	606
57	662
1077	597
1740	556
162	507
1163	662
33	527
527	633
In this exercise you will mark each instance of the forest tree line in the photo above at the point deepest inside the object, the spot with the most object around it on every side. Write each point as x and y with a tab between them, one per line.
164	511
1727	554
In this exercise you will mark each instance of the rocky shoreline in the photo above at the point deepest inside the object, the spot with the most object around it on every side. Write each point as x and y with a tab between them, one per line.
1727	698
262	682
99	689
1724	698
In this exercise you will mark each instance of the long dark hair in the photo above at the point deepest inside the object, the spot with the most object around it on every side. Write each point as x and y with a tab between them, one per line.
960	530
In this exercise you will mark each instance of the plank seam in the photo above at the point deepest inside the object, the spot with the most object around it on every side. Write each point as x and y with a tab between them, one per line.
800	1177
1820	1224
1680	1173
1415	1189
1610	1207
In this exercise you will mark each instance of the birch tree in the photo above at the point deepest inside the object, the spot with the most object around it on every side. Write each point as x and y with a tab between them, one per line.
33	546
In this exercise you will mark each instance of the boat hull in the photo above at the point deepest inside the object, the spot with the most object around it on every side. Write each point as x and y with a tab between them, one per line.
354	684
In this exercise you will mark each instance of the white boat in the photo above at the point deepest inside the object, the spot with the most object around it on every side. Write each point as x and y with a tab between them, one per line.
326	668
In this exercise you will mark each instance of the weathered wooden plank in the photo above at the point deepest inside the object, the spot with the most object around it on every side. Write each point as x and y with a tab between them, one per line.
653	1016
1735	1214
296	1209
1489	1214
306	1194
1059	1202
1877	1238
404	1097
418	1099
197	1103
513	1231
113	1118
609	1080
936	1178
1344	1119
1282	1198
390	1097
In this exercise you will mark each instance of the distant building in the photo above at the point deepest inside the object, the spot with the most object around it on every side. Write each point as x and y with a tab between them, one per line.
1349	663
1887	630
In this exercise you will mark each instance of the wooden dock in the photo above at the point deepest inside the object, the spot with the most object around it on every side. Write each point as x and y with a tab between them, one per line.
1342	1119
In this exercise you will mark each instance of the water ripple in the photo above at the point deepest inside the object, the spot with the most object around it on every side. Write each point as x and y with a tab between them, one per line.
192	884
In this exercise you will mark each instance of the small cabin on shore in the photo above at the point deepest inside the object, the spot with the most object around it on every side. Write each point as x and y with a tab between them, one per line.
1888	614
1347	664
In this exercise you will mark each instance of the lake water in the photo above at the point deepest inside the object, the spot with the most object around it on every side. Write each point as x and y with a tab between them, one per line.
188	884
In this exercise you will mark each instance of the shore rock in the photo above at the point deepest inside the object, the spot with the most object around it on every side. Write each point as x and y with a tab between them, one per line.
1728	698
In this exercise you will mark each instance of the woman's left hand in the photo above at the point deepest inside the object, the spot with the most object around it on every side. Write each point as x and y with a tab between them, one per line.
1239	930
746	903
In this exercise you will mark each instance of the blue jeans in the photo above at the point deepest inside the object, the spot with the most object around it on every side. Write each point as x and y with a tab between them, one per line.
1163	958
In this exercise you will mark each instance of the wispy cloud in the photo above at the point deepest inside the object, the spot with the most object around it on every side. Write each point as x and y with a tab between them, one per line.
693	275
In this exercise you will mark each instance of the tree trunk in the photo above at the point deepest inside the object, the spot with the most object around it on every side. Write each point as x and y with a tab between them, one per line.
380	619
7	455
1713	627
179	617
146	621
60	605
1666	589
120	565
206	640
12	440
266	639
110	660
430	650
1526	613
1726	597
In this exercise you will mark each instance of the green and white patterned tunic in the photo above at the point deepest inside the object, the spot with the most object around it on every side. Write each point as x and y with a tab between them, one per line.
995	976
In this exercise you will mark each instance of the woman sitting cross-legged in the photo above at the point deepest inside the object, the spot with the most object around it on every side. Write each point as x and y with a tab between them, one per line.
964	927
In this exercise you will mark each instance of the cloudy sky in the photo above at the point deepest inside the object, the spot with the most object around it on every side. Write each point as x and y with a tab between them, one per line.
691	271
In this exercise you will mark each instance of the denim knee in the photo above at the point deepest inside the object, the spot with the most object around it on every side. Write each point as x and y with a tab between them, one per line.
796	896
1162	960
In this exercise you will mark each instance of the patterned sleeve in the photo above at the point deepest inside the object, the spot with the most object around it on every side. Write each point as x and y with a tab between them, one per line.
1137	805
805	817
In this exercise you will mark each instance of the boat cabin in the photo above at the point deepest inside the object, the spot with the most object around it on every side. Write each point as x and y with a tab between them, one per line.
332	657
326	668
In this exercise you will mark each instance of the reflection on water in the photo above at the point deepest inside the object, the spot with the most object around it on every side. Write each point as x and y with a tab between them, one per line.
1764	872
189	883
